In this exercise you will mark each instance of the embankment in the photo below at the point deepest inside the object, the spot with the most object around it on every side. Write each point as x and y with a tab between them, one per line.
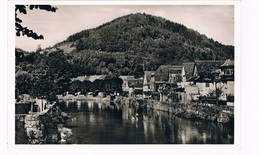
203	111
47	127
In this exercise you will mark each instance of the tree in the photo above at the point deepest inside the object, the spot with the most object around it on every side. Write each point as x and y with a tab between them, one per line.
85	86
75	86
50	74
23	83
61	85
20	30
116	84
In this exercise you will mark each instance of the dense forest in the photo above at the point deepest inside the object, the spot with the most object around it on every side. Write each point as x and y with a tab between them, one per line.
127	45
141	42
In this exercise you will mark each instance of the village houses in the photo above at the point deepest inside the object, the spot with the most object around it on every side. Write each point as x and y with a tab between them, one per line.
203	75
181	83
198	78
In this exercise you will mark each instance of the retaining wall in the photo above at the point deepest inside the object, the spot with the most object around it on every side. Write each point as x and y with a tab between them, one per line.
46	127
203	111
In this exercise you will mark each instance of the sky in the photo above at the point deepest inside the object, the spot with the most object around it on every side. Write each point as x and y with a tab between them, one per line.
215	21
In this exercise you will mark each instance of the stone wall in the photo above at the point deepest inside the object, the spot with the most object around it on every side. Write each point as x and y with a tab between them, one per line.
33	129
47	127
203	111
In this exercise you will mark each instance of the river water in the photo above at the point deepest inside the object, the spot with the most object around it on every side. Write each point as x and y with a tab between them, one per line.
98	123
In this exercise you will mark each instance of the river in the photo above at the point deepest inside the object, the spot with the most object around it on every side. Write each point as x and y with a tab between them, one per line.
98	123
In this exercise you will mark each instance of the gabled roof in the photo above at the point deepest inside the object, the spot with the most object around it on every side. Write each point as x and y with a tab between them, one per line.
175	70
96	77
188	68
228	63
80	78
89	78
206	67
126	77
162	73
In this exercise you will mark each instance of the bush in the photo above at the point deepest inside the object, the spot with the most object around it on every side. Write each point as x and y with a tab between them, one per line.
230	98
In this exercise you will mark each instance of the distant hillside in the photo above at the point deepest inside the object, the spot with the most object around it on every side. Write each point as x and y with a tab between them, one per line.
149	35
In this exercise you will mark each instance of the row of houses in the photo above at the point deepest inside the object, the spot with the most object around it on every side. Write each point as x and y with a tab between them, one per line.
185	82
190	81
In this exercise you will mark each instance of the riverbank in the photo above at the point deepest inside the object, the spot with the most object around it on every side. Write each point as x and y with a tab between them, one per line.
46	127
191	110
203	111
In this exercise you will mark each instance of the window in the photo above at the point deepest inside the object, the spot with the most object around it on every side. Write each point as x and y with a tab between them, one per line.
207	84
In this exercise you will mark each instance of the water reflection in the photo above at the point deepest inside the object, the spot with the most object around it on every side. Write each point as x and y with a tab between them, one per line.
99	123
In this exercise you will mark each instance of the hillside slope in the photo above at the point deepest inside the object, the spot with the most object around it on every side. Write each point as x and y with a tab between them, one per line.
146	35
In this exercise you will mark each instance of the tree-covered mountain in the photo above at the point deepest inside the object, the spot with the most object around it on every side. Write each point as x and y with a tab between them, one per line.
140	42
148	35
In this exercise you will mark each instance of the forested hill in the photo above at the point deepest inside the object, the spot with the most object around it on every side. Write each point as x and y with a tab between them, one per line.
153	36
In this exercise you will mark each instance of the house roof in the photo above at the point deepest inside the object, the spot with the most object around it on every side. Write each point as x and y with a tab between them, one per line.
149	75
125	77
90	78
228	63
206	67
175	70
162	73
188	68
80	78
96	77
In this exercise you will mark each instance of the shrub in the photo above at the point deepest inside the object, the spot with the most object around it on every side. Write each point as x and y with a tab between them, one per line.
230	98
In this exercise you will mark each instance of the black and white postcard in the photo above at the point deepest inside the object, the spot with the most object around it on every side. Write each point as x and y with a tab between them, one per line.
88	74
